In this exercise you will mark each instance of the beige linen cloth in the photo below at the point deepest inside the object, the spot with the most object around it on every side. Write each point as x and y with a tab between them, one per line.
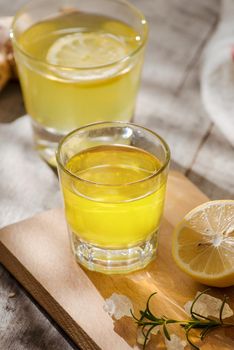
27	184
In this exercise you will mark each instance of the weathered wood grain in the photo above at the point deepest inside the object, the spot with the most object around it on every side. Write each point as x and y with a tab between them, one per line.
22	325
213	166
169	102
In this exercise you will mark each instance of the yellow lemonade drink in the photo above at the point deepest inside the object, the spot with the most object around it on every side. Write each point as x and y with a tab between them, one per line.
124	215
113	179
77	67
67	99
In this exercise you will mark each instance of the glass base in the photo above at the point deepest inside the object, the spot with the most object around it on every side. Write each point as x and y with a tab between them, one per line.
46	141
114	261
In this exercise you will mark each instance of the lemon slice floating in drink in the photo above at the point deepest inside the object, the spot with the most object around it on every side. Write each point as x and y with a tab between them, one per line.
87	50
203	243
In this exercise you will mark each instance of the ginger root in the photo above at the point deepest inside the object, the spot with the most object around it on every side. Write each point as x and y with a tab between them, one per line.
7	62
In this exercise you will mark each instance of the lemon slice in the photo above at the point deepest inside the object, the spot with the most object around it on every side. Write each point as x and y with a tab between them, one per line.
203	243
86	50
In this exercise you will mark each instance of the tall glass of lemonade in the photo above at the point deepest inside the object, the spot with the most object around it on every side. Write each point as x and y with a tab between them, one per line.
79	61
113	177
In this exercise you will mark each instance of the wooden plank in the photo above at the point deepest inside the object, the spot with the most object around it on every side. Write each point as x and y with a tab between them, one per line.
213	167
169	99
43	262
22	325
182	126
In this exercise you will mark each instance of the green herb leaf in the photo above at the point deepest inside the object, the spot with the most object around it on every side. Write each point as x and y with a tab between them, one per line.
167	335
198	322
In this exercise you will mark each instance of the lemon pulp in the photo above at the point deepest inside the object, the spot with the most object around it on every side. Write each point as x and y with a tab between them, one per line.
203	243
87	50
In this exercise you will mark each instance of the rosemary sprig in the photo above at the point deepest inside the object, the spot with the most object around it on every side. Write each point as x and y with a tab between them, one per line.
148	321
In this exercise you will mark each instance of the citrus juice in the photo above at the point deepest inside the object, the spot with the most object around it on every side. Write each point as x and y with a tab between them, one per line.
73	72
113	199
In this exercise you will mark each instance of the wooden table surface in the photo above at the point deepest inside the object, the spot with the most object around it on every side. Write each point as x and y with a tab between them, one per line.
169	102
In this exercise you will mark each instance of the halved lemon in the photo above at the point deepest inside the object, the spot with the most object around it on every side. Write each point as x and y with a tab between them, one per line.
203	243
86	50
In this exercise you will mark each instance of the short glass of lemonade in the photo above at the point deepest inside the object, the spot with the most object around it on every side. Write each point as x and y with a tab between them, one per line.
113	177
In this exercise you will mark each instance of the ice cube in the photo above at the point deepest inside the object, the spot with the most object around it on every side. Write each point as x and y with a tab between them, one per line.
118	306
140	335
207	305
175	343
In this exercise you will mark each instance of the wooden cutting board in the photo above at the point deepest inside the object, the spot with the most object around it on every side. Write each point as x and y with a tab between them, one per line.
37	252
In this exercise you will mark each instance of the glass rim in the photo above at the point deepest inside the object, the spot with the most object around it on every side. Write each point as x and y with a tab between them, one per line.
59	66
117	123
